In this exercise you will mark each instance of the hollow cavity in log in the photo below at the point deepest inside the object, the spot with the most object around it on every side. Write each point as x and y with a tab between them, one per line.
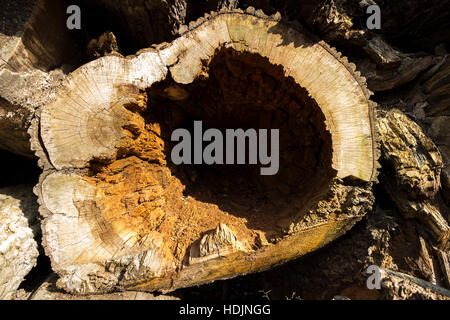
242	90
118	214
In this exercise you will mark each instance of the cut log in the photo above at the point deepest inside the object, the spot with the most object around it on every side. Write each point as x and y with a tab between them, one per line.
118	214
34	39
18	248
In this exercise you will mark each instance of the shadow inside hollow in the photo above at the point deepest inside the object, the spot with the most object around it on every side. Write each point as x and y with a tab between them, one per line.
238	90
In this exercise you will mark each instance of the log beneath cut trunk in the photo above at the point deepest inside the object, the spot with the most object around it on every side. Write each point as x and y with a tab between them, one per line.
48	291
18	248
118	214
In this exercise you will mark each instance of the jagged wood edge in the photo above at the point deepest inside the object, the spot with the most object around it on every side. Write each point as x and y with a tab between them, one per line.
351	67
44	160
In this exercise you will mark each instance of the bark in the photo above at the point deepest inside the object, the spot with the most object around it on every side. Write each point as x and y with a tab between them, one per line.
21	94
390	68
34	35
118	215
384	238
417	24
437	113
400	286
136	222
140	24
49	291
43	41
18	248
444	262
34	39
417	164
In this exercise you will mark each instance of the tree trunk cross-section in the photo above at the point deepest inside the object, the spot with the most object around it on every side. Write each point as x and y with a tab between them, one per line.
119	215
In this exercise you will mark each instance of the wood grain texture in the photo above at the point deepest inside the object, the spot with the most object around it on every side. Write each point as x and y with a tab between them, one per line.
417	164
18	248
115	213
34	40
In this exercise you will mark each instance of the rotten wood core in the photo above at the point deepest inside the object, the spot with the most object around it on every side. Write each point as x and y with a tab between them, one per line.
119	215
236	90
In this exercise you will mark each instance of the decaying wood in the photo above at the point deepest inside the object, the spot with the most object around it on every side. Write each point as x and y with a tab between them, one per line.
118	216
391	68
104	45
410	68
48	291
384	238
420	23
144	23
401	286
33	35
34	39
444	262
427	259
438	117
383	54
21	94
417	164
18	248
332	19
